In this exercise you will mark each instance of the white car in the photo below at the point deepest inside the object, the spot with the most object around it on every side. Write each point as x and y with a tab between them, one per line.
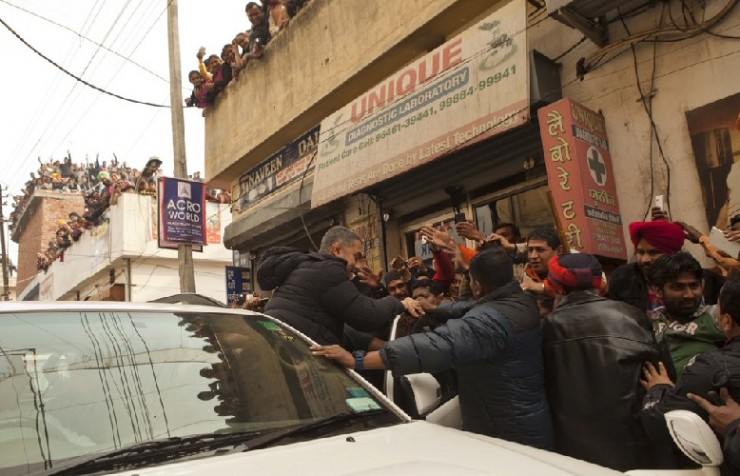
152	389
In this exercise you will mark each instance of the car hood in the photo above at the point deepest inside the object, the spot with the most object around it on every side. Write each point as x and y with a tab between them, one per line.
411	448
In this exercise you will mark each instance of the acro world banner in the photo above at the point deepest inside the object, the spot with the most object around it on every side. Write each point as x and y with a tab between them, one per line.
467	90
580	175
182	205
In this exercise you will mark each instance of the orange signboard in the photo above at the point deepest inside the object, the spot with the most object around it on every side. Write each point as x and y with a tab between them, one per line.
580	175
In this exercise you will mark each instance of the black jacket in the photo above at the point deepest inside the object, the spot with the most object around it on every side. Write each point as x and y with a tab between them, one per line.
627	284
705	373
313	293
594	351
496	349
731	449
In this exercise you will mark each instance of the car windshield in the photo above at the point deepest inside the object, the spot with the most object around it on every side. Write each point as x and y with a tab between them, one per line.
86	383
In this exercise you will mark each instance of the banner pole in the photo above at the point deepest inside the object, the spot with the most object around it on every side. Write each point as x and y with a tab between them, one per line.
184	252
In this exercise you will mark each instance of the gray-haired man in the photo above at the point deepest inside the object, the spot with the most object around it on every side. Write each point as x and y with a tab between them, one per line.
314	294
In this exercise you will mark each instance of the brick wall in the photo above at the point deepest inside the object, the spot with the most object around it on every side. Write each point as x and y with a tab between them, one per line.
40	228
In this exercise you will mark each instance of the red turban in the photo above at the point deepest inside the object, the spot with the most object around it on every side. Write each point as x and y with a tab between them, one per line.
574	271
664	235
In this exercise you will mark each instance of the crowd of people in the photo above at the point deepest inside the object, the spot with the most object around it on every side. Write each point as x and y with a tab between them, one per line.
100	184
543	345
216	71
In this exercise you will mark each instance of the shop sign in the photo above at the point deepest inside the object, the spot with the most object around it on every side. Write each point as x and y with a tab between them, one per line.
182	207
471	88
580	176
238	283
284	167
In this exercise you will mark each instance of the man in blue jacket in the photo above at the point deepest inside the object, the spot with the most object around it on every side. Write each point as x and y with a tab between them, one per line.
495	345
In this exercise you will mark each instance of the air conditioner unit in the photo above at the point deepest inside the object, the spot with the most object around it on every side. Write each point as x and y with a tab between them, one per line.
591	16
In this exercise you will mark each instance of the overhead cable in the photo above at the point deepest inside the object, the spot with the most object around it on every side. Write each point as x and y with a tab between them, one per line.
90	85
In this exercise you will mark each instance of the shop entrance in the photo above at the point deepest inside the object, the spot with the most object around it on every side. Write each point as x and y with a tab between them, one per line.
525	205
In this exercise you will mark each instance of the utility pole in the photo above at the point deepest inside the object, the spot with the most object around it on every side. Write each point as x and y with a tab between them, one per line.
2	247
184	252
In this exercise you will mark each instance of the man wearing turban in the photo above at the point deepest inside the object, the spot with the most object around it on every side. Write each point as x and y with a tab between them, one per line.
653	239
582	337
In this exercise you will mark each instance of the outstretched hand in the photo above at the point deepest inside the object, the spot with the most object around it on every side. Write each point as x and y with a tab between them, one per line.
658	214
367	276
692	234
437	238
334	352
413	307
720	417
505	244
655	376
467	229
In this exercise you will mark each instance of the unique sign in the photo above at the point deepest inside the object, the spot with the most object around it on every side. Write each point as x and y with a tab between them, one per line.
182	217
579	172
474	86
238	283
283	167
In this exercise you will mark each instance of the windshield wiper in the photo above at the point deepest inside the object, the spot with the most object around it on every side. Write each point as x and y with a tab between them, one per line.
271	438
148	452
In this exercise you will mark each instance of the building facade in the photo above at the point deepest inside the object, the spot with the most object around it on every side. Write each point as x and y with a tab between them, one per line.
383	115
120	259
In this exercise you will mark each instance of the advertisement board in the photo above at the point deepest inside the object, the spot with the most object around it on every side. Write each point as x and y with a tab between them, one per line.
238	283
581	179
282	168
182	212
474	86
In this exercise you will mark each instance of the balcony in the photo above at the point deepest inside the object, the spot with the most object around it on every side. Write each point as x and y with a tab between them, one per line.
123	253
331	53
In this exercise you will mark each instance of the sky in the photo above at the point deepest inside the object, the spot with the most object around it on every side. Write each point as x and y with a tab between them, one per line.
46	114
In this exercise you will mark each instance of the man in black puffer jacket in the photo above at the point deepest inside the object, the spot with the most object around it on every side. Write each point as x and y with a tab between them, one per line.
495	345
313	292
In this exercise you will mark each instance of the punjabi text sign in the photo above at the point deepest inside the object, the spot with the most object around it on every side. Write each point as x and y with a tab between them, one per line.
473	87
580	175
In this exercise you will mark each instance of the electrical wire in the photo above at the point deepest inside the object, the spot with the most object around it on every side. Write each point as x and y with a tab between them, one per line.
128	59
90	85
647	103
71	98
662	33
50	93
576	45
92	104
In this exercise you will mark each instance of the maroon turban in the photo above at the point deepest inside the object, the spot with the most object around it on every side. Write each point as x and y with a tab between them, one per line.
664	235
574	271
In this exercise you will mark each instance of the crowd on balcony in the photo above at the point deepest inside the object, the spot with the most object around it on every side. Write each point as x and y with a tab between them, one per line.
216	71
100	184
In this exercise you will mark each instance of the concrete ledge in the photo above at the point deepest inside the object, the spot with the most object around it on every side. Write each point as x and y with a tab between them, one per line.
332	52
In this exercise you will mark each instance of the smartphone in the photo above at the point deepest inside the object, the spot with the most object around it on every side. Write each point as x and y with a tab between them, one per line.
718	239
460	218
659	202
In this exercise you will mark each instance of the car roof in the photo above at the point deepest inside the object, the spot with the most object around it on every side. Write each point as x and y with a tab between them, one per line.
37	306
191	299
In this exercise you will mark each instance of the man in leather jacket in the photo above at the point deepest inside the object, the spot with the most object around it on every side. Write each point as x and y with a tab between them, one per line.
594	349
